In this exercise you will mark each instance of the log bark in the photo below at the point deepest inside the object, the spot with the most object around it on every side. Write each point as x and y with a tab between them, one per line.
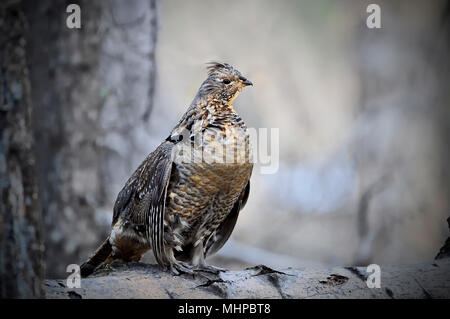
137	280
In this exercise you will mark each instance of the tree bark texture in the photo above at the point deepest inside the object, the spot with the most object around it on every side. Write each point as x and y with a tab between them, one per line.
91	89
21	249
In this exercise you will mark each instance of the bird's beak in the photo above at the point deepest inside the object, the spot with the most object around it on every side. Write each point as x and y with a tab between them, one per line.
247	82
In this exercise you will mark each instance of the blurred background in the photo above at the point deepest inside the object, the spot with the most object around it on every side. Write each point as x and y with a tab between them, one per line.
363	117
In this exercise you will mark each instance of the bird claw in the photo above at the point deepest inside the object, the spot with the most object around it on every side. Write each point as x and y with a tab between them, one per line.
210	269
181	268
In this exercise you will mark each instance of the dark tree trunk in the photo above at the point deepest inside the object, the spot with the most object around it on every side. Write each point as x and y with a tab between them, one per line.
88	86
21	252
65	93
444	252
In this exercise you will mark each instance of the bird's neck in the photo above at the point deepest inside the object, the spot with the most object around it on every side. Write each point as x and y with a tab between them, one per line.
205	111
210	107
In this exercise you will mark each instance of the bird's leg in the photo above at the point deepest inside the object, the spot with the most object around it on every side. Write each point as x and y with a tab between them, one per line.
198	260
178	267
210	268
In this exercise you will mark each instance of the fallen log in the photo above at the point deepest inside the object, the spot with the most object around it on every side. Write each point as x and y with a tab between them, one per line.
138	280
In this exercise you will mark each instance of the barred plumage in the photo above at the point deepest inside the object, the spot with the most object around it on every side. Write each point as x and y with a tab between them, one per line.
184	199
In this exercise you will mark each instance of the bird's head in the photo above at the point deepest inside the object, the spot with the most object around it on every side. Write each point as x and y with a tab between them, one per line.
224	82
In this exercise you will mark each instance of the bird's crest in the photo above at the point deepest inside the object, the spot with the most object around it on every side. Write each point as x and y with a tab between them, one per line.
215	67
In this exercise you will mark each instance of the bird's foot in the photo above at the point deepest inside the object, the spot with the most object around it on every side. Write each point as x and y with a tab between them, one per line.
210	269
181	268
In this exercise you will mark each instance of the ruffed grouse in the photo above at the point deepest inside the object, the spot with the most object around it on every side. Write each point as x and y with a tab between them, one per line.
183	201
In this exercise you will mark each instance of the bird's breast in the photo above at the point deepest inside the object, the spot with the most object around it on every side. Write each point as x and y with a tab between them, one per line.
200	196
215	144
207	178
212	165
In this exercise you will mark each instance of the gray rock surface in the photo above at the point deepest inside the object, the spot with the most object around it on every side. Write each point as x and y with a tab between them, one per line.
138	280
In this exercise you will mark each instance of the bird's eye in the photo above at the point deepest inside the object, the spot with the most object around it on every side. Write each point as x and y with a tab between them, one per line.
226	81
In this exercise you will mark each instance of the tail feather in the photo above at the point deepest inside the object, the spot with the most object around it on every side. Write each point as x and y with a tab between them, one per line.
99	256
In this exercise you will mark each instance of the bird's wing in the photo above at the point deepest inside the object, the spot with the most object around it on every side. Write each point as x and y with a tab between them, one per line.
123	201
143	198
223	232
152	191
